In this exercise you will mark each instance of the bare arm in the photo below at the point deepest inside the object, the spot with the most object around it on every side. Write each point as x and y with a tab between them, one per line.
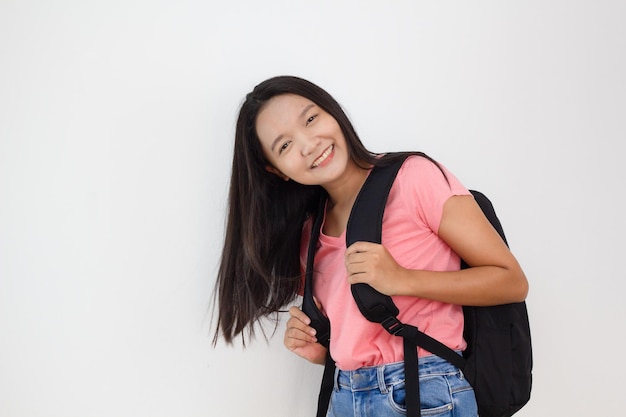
494	276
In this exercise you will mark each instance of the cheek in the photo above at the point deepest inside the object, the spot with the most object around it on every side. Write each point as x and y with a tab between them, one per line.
282	166
291	167
338	135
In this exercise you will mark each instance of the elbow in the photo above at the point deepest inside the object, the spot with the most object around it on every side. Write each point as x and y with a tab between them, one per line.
512	286
521	294
519	290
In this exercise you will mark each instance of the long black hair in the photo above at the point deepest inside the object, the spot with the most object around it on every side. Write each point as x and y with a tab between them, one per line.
260	269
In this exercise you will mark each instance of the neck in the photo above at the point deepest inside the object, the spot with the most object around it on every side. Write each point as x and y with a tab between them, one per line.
343	193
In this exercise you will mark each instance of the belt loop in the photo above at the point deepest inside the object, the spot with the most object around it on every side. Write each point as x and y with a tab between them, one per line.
382	386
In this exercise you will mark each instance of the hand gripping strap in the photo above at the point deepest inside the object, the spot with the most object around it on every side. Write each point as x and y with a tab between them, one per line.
366	225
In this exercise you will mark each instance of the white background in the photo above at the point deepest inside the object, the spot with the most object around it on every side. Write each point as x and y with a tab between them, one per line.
116	130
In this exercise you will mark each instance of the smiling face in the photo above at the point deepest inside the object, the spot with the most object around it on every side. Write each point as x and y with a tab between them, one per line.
301	141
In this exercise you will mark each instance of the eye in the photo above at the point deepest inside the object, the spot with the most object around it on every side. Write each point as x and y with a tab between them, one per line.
283	147
311	119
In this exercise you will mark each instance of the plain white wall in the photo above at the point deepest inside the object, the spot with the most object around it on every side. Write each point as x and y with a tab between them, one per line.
116	128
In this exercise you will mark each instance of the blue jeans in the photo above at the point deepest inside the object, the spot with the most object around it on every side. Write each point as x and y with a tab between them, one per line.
378	391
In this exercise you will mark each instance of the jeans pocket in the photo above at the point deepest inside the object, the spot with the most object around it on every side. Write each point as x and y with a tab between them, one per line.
435	393
397	397
435	397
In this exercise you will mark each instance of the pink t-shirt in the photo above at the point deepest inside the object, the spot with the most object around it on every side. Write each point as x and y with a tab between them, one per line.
410	224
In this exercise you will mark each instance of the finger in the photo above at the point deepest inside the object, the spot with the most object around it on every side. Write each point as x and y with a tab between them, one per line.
358	263
297	324
298	314
356	258
360	246
294	340
297	334
355	268
358	277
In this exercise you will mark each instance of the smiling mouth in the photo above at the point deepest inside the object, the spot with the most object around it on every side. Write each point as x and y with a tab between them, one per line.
323	156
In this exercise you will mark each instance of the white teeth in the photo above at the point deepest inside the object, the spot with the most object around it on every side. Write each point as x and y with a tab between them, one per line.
323	156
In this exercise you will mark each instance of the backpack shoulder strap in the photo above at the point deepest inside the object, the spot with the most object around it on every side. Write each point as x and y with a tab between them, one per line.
365	224
318	320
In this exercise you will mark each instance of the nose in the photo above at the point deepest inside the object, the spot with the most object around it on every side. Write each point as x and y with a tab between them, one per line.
309	144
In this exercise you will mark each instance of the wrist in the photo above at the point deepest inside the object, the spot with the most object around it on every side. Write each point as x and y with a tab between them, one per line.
408	280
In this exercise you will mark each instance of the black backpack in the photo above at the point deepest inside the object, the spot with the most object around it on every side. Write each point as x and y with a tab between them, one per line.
498	358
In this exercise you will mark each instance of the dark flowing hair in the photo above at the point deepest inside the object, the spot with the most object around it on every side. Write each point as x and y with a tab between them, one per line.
260	268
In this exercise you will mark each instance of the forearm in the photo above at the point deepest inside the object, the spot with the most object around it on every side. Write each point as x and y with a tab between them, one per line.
478	286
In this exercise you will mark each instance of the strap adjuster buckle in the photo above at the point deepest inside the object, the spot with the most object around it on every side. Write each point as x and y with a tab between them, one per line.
392	325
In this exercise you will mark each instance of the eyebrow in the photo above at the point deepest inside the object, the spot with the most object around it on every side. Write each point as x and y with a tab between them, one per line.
302	114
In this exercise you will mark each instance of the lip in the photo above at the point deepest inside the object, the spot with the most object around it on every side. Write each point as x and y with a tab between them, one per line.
320	160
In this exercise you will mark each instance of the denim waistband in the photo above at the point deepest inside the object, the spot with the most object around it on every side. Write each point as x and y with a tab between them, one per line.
382	376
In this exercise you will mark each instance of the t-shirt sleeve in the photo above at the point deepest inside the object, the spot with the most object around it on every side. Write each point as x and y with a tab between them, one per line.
426	189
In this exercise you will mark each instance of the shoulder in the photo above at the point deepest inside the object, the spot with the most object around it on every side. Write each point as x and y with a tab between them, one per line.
424	186
422	169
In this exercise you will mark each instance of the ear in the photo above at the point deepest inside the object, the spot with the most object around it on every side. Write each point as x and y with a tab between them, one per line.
275	171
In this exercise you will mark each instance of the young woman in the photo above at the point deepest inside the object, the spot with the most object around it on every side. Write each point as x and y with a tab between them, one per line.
293	142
